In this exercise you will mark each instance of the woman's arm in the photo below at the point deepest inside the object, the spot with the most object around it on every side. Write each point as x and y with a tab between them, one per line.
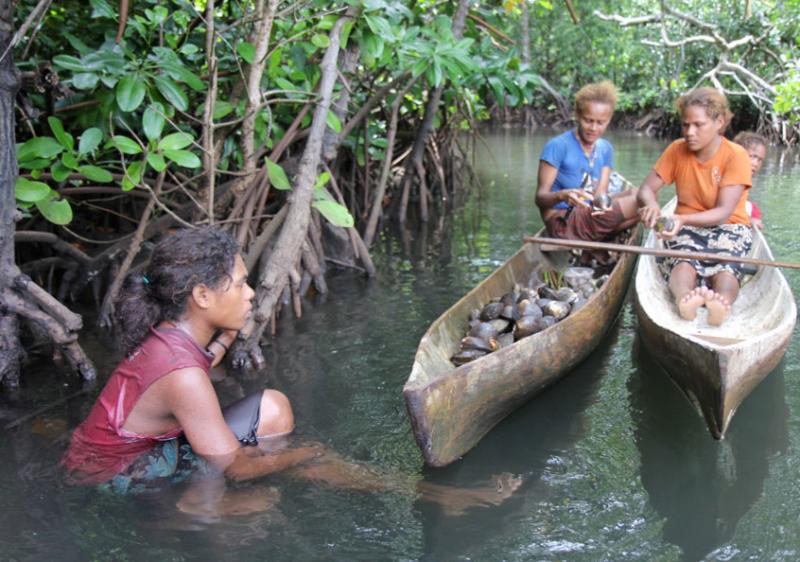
649	210
602	183
192	400
727	199
547	199
220	345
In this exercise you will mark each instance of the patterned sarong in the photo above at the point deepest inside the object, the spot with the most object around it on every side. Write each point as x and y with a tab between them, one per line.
728	239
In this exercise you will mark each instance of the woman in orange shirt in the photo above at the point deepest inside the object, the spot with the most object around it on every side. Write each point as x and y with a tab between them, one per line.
712	179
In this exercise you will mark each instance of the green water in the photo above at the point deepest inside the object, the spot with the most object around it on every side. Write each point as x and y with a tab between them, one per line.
615	464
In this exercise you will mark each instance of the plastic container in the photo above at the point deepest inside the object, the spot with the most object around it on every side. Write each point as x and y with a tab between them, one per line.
575	277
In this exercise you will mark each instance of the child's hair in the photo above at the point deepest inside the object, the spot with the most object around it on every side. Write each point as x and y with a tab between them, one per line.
179	262
713	101
599	92
749	139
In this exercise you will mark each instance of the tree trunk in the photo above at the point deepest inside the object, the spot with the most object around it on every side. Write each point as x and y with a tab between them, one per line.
10	350
19	296
288	247
414	161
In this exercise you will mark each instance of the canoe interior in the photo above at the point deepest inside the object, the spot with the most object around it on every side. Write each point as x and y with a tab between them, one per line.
443	337
717	366
765	302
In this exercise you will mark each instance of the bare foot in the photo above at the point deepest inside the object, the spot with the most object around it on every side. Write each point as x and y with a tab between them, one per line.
691	301
718	308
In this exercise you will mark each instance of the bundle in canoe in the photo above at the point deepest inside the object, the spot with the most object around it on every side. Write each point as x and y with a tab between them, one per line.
452	408
717	367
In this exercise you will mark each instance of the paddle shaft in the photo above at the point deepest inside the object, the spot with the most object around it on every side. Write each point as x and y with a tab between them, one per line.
703	256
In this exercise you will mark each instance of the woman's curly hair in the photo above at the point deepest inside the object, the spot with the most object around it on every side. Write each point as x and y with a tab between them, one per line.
179	262
713	101
598	92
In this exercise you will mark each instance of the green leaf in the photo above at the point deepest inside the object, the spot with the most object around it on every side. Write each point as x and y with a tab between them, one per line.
132	177
102	9
183	158
90	140
323	179
85	80
31	191
130	92
62	136
39	147
179	72
69	160
95	174
69	62
175	141
36	164
321	41
56	211
77	44
125	145
333	122
59	171
247	51
277	177
153	121
173	93
156	161
336	214
221	109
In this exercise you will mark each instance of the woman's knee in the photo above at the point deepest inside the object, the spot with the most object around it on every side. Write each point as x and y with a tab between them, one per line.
276	416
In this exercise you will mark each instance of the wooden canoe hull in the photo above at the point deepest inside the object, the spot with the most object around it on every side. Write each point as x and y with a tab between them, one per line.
717	367
451	409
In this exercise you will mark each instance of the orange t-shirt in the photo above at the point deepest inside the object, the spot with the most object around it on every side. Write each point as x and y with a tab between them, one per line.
697	184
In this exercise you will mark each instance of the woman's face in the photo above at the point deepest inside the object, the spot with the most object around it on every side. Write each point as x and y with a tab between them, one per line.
699	129
757	153
232	304
593	119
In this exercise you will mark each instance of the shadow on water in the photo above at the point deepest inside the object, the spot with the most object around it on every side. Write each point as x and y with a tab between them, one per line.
530	443
702	487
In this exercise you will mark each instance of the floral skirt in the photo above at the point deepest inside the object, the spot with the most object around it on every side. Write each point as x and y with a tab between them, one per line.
728	239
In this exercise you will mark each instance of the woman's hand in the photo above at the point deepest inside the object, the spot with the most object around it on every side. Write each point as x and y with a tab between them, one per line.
576	197
677	224
649	214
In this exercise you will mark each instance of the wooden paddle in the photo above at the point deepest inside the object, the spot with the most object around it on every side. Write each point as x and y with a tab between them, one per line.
703	256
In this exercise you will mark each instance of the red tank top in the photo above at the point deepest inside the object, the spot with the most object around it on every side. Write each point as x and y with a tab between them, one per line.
100	447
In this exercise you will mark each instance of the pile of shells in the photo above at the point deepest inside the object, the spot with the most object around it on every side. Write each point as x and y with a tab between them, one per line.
524	312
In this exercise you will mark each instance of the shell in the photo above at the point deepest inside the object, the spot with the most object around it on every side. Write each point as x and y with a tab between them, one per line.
474	342
528	308
601	202
565	294
557	309
664	223
548	321
526	326
504	340
483	330
510	312
466	355
491	311
546	292
501	325
509	298
579	302
475	314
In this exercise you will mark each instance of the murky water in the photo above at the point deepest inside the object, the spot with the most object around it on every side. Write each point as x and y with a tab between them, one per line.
615	464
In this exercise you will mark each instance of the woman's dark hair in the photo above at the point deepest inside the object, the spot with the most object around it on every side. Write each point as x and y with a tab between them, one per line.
179	262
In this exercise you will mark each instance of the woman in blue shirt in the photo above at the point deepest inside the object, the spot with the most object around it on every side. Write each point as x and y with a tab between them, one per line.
575	166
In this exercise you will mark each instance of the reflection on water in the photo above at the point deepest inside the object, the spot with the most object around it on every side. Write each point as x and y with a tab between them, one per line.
615	464
702	487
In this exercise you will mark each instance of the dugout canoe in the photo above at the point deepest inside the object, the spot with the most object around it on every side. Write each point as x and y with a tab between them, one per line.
717	366
452	408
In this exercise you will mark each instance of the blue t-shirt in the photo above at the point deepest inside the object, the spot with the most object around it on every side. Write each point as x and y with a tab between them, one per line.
565	153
